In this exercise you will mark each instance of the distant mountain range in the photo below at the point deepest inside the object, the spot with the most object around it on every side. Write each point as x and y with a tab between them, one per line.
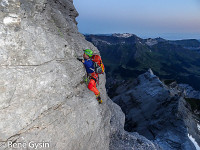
126	56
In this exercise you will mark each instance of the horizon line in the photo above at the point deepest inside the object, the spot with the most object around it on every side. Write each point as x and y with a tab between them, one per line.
147	37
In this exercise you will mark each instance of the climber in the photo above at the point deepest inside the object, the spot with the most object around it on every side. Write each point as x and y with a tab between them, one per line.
92	76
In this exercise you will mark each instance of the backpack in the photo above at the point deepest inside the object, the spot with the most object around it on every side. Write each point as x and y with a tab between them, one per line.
98	64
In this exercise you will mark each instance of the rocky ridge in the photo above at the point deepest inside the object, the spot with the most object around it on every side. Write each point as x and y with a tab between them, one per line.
158	112
189	91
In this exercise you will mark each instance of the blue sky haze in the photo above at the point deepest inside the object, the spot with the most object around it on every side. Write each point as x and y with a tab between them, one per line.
171	19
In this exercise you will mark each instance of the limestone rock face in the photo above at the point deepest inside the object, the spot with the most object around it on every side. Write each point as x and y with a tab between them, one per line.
42	97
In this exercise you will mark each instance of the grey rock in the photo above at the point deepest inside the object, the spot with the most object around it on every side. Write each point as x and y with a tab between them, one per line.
157	112
123	140
151	42
42	97
189	91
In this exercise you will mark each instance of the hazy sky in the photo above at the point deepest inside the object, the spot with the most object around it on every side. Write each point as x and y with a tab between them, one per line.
171	19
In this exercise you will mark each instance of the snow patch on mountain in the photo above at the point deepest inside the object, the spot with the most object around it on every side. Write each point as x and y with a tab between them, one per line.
151	42
124	35
198	126
194	142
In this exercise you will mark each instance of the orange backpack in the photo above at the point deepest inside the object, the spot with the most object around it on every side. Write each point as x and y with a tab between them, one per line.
98	64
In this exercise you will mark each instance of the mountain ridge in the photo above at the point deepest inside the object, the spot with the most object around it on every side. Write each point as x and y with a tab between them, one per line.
159	112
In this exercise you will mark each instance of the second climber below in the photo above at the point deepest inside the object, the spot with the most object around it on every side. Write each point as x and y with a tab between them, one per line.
92	76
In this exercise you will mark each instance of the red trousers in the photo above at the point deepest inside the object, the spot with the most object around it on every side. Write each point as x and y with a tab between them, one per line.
92	83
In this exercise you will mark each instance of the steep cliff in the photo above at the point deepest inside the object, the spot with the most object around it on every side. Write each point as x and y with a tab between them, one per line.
42	96
158	112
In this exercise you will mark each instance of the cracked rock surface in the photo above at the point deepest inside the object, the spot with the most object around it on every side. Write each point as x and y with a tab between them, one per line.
42	97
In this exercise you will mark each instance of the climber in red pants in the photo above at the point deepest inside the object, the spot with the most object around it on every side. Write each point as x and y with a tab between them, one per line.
93	77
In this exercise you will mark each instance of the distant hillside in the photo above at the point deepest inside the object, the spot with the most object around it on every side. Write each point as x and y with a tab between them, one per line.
189	44
125	57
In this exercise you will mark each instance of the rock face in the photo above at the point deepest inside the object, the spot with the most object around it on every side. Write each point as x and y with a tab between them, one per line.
189	91
157	112
42	96
123	140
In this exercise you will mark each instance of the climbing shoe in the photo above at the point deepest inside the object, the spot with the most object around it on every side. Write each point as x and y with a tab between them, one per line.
99	98
100	101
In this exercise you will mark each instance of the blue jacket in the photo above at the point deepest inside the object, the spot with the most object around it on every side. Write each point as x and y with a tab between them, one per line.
89	66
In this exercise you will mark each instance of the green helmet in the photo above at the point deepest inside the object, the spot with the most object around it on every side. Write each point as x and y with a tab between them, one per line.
88	52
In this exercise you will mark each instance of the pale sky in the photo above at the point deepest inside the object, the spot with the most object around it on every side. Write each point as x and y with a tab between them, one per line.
170	19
